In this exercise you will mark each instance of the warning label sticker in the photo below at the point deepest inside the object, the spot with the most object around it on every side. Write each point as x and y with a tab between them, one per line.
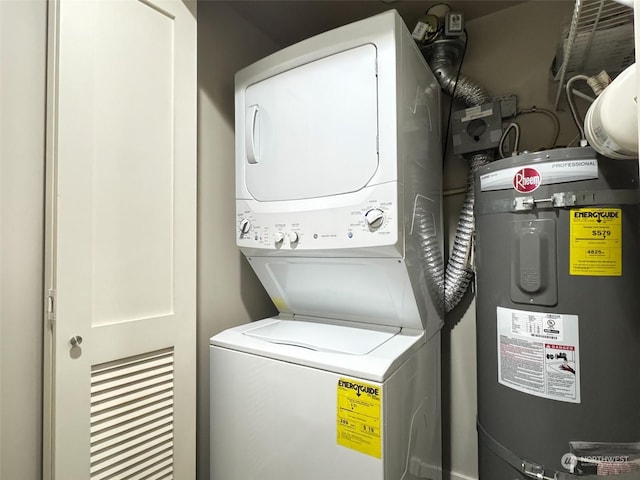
596	242
538	353
359	416
476	112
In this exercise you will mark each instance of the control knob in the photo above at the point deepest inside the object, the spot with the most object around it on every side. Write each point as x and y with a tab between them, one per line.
245	226
278	238
293	237
374	218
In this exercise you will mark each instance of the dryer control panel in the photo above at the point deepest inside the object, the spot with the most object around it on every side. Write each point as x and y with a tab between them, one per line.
369	221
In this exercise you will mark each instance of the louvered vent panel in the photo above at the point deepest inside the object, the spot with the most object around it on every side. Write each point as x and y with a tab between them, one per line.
132	418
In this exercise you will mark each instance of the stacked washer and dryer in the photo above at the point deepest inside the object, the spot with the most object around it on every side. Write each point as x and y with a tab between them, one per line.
338	182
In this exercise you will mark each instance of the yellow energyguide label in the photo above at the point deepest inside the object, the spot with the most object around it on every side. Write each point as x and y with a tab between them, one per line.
596	242
359	416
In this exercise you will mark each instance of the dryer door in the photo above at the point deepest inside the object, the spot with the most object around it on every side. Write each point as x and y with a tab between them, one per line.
312	131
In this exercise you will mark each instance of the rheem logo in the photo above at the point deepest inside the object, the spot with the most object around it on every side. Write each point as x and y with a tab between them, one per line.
527	180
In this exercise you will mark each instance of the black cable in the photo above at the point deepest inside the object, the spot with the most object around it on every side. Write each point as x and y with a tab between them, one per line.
548	114
453	93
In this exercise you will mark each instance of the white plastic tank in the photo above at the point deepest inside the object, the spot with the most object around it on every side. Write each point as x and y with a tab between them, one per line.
611	124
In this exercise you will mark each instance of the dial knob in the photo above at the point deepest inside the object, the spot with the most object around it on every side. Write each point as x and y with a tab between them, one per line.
374	218
293	237
245	226
278	238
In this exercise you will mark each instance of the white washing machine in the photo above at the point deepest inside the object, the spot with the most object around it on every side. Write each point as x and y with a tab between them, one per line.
338	187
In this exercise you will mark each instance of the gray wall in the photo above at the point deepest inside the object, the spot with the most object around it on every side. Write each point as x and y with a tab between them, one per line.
22	127
228	291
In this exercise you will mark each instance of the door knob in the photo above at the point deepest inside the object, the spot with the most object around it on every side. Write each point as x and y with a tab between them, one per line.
75	340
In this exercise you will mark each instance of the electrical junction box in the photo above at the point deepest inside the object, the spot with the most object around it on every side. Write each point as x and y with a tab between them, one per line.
508	105
477	128
453	24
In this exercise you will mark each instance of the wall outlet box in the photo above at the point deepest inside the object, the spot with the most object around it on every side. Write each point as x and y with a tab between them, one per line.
477	128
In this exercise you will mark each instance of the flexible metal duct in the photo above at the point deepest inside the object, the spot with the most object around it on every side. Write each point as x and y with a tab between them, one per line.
441	56
458	273
431	257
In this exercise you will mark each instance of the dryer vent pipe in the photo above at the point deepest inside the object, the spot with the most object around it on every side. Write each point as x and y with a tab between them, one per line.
442	56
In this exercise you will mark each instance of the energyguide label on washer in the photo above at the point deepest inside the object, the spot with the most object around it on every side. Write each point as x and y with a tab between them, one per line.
596	242
359	416
538	353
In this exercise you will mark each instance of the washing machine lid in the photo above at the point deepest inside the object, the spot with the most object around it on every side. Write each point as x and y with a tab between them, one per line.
367	291
322	337
360	352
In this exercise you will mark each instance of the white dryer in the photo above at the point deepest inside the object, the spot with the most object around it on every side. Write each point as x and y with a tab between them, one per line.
338	186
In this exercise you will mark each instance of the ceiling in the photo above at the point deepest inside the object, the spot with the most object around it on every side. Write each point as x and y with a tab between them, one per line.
289	21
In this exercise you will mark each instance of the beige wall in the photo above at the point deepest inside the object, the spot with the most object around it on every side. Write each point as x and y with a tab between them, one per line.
228	291
508	52
22	127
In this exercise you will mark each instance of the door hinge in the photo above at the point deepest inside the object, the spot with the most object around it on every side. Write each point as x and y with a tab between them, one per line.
51	307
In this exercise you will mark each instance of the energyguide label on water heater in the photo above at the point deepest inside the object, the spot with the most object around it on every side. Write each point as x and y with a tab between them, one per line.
538	353
359	416
596	242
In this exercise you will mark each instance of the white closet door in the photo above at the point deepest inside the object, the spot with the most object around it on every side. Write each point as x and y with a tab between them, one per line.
121	247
